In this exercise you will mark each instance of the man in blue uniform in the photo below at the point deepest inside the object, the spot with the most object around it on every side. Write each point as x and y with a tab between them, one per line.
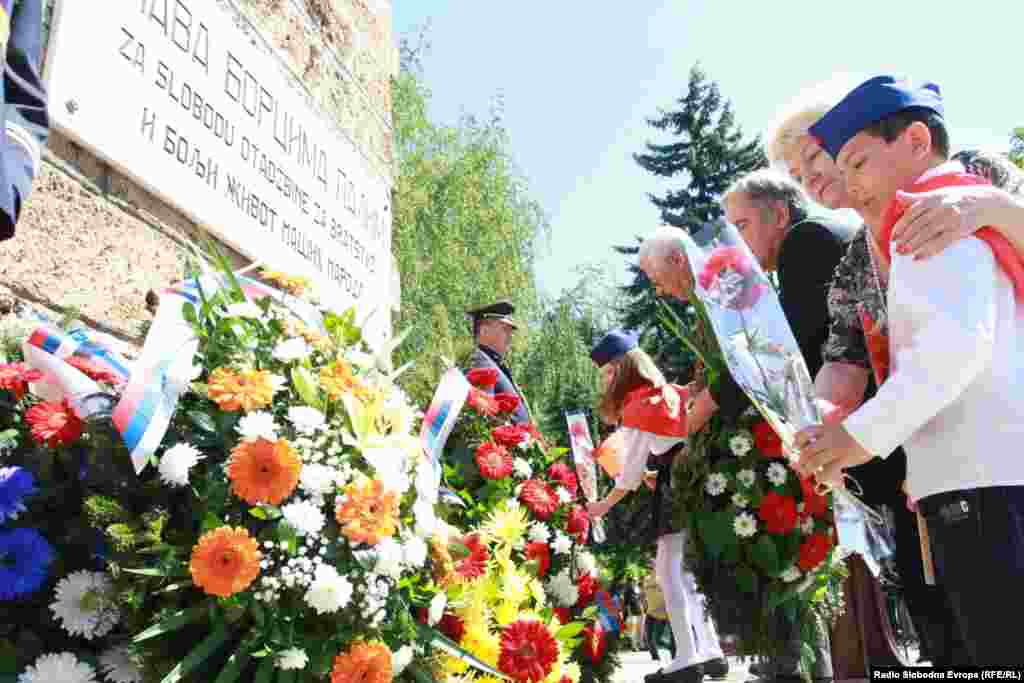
25	121
493	328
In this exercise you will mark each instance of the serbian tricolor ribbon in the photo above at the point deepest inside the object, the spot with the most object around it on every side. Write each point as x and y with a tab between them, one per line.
609	611
586	467
439	420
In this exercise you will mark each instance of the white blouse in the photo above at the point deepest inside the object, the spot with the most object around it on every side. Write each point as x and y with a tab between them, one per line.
954	395
637	446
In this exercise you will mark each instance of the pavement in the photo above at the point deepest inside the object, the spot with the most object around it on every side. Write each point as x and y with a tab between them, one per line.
636	665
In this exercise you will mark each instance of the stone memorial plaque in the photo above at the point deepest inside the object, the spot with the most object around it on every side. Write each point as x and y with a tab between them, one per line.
185	97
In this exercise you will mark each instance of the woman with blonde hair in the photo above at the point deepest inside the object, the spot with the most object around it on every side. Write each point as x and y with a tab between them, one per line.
857	342
653	425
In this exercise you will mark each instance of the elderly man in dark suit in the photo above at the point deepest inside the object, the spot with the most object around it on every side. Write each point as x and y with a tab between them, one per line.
493	328
26	122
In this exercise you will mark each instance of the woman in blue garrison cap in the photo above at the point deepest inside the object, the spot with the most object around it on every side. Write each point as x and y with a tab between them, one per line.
653	418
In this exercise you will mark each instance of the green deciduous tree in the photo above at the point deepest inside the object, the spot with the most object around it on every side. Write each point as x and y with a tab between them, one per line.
1017	146
465	228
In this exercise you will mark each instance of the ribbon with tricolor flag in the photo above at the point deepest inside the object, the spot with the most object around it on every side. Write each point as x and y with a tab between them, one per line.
583	456
445	406
51	351
609	611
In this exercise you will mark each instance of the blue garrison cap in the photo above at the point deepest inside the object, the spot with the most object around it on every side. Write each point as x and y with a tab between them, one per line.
868	103
613	346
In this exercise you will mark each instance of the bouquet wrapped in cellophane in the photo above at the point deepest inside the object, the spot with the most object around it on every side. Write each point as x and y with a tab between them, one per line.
762	540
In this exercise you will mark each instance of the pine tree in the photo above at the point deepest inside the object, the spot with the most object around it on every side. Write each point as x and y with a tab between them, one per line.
708	151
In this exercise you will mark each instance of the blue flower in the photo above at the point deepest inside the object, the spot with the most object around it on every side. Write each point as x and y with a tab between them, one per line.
16	483
25	558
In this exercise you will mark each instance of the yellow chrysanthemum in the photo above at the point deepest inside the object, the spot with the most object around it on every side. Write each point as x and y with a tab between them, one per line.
537	592
453	665
515	587
483	645
507	525
506	612
473	611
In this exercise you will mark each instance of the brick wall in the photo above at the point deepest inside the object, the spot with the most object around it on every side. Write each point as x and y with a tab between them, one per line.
92	239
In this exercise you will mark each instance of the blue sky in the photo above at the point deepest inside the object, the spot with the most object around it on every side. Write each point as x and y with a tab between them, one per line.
580	78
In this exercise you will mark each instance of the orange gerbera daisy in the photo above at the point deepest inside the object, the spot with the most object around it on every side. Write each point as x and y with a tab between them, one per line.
337	379
363	663
225	561
367	514
263	471
293	284
246	390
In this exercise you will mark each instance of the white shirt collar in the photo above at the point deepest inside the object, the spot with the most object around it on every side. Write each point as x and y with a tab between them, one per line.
942	169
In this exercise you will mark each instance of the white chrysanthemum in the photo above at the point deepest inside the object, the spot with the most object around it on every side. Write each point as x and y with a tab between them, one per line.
777	474
739	500
63	667
118	666
564	589
562	544
243	310
259	424
436	611
716	484
316	479
807	525
176	462
400	659
84	604
791	574
292	658
292	349
586	563
391	467
572	670
329	591
746	477
414	551
305	419
539	532
521	468
564	497
389	558
740	444
305	517
744	525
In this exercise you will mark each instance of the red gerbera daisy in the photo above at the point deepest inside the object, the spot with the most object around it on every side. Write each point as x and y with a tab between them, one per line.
578	523
54	424
473	565
539	497
494	461
539	552
587	586
767	441
15	377
778	513
482	403
562	474
563	614
484	378
507	403
510	435
528	651
814	550
452	626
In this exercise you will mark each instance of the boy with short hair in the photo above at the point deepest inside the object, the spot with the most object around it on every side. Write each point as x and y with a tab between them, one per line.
956	364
